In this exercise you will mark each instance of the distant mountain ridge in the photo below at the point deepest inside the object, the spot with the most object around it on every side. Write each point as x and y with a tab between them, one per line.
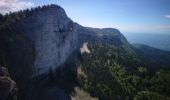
157	55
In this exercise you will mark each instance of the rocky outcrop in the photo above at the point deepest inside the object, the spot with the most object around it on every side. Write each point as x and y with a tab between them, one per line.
84	49
8	89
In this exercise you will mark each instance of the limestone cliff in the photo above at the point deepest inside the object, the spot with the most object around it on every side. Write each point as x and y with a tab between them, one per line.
53	36
41	41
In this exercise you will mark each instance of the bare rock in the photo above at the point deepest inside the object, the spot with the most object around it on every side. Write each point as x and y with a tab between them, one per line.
8	90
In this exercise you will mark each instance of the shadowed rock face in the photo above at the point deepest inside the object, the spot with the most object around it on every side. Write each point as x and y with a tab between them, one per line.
8	90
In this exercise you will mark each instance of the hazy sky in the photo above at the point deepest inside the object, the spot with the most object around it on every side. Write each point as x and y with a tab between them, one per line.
131	16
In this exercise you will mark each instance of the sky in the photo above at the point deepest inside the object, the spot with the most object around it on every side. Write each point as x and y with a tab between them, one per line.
129	16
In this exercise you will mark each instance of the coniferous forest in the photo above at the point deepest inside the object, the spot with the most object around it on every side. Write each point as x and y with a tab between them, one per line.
115	73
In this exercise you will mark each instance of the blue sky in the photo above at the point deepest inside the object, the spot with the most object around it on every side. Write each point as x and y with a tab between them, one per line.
131	16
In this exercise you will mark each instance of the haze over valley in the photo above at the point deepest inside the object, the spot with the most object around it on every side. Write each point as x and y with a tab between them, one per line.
160	41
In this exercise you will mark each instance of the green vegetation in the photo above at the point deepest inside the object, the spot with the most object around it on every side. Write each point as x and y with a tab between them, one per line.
109	72
146	95
115	73
13	17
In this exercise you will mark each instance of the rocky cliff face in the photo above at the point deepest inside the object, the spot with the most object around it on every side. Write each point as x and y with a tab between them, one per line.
50	37
55	38
8	89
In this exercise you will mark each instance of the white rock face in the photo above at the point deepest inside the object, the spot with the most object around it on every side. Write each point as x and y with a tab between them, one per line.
54	38
84	49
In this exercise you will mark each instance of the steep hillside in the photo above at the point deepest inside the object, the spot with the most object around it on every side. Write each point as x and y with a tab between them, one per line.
115	73
156	55
103	35
110	36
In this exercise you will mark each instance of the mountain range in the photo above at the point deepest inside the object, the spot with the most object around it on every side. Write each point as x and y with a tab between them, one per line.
52	57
